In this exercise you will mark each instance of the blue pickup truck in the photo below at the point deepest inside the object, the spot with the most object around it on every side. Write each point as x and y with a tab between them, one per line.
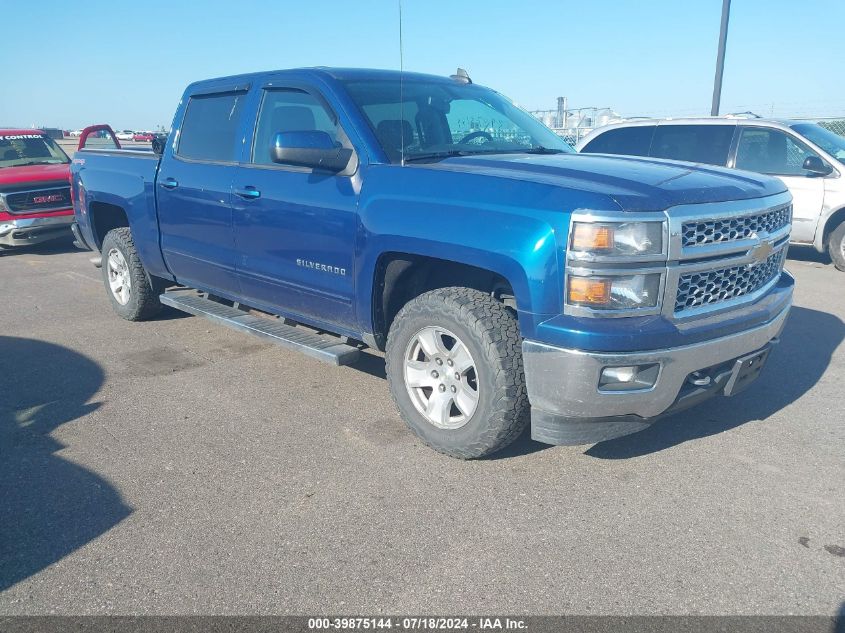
508	280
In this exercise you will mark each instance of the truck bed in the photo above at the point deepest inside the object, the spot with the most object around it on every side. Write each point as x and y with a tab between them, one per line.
113	181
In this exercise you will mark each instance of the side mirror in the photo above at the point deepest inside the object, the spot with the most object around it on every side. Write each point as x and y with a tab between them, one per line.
158	144
310	148
816	166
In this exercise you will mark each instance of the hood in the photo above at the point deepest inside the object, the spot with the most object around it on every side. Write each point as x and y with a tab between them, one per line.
33	174
635	184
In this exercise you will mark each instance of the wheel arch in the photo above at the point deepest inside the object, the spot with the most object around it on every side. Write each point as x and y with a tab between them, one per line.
401	276
830	225
104	217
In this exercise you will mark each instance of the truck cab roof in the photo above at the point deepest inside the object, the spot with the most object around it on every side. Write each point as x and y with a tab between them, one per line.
338	74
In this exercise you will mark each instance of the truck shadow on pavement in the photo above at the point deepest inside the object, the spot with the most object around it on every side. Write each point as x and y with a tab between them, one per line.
49	507
808	254
55	246
796	364
807	344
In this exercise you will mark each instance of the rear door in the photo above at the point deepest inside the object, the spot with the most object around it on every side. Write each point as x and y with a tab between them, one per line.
706	144
295	228
777	153
194	191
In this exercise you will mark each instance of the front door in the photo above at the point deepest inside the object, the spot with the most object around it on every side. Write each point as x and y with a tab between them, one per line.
194	194
774	152
295	228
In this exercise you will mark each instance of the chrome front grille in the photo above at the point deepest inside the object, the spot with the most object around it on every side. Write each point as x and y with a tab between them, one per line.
708	287
35	200
717	231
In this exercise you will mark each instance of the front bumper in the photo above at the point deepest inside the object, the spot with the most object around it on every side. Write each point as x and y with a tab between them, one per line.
25	231
567	406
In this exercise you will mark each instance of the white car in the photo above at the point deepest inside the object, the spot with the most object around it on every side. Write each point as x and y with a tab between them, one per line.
125	135
808	158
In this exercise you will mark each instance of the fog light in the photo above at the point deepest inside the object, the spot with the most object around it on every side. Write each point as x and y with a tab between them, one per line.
629	377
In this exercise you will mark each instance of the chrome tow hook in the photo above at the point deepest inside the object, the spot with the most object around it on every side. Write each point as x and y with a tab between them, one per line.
698	379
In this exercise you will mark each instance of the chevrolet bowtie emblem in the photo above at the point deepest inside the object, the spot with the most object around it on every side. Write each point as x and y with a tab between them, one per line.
761	252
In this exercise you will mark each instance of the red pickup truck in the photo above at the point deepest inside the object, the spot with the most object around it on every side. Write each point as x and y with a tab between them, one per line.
35	203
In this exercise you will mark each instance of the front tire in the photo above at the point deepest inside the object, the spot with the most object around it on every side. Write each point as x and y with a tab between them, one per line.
454	366
836	247
130	291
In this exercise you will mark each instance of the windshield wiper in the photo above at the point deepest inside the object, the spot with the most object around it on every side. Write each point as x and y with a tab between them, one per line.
466	152
435	155
36	162
539	149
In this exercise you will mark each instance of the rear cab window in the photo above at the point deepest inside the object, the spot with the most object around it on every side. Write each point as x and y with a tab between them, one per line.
708	144
210	127
631	141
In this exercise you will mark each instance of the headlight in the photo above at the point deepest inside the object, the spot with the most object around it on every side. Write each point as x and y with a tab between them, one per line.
617	292
621	239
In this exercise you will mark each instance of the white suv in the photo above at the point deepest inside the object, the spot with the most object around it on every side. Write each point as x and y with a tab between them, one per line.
808	158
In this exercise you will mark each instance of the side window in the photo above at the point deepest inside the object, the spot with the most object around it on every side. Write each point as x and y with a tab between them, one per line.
289	111
707	144
210	127
633	141
771	152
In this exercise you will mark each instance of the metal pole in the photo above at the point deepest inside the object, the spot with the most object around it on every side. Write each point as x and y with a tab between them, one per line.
565	122
720	59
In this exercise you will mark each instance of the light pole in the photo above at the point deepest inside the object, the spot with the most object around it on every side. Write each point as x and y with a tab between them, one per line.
720	58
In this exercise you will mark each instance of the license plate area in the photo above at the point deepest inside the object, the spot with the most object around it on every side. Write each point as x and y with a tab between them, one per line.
746	370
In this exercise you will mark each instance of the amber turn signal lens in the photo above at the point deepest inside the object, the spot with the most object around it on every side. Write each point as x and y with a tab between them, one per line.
590	291
591	237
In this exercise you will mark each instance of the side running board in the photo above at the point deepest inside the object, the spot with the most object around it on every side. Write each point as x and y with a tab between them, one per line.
326	348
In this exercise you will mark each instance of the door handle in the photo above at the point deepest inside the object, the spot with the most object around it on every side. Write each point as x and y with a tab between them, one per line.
169	183
248	193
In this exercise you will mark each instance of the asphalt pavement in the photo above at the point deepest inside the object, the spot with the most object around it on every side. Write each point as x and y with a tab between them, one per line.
177	467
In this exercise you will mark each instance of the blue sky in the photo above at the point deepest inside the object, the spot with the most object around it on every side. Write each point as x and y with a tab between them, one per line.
70	64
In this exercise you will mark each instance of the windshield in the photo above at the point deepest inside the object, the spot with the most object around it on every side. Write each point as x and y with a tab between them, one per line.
17	150
829	141
435	119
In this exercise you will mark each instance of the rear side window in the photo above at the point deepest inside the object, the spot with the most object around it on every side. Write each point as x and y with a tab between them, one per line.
633	141
707	144
210	127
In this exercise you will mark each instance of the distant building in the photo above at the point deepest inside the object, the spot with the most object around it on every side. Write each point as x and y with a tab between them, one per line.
574	124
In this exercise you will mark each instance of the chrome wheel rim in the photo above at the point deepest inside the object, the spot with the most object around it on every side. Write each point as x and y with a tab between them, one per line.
120	282
441	378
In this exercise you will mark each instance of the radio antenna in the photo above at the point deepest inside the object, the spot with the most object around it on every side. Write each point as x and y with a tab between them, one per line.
401	92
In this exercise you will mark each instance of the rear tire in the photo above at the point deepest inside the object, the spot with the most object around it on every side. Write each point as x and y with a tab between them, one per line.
836	247
133	297
454	366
